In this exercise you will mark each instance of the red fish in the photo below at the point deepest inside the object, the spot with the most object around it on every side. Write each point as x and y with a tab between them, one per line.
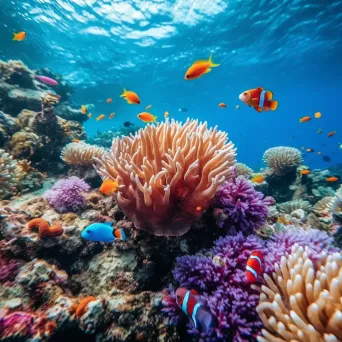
189	302
254	266
259	99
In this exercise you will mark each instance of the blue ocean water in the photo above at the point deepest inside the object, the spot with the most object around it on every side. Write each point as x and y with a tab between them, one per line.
292	48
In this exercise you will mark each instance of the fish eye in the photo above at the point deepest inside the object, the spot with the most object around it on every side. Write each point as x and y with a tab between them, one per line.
187	76
178	296
244	93
88	231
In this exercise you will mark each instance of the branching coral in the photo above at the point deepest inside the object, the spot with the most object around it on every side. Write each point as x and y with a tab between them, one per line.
10	174
168	174
81	153
241	207
243	170
290	206
282	159
302	300
67	194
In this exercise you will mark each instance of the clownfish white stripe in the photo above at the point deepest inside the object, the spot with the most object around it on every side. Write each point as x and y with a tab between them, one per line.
262	98
257	258
185	303
196	307
250	269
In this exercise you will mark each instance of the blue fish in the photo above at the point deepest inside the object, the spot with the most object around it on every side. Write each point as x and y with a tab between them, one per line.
103	232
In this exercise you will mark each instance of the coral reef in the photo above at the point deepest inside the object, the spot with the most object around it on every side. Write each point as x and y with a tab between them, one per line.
8	126
240	208
168	174
302	300
243	170
282	159
67	194
289	207
44	229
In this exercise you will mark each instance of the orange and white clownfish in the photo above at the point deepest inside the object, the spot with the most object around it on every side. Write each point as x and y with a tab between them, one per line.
189	302
254	266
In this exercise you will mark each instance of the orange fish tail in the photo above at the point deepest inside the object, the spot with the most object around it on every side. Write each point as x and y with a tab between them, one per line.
274	105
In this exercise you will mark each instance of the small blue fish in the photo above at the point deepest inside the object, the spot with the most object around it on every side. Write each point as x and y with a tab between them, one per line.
103	232
184	110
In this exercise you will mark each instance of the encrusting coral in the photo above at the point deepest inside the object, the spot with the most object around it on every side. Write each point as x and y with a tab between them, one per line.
168	174
290	206
44	228
302	300
81	153
282	159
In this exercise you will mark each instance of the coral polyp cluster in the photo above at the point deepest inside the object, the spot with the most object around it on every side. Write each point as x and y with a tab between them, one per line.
168	174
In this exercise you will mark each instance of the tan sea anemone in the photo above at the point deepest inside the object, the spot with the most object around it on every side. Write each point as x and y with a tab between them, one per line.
168	174
290	206
243	170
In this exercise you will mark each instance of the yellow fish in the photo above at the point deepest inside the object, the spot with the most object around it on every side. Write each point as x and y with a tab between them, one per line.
258	179
109	186
100	117
89	115
166	115
83	109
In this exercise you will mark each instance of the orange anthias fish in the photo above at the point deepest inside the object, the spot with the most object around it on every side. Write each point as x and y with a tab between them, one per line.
75	140
19	36
109	186
131	97
259	99
305	119
109	100
147	117
304	172
318	115
331	179
100	117
148	107
254	266
166	115
200	68
331	134
83	109
111	115
222	105
258	179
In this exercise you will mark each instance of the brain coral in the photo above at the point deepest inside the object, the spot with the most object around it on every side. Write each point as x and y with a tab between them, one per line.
81	153
282	159
9	174
303	300
168	174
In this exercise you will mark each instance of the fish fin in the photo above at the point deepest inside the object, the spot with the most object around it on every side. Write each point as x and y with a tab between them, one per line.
211	63
274	105
269	95
124	93
129	101
255	101
155	119
194	292
266	108
205	319
108	223
260	88
14	36
258	109
208	70
200	61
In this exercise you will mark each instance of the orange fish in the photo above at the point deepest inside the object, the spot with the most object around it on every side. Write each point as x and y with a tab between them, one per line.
258	179
147	117
254	266
100	117
331	134
75	140
318	115
19	36
111	115
109	100
259	99
305	119
166	115
200	68
83	109
304	172
331	179
222	105
148	107
109	186
310	150
131	97
120	234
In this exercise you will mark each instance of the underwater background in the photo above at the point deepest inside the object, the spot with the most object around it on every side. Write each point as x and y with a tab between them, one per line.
170	171
289	47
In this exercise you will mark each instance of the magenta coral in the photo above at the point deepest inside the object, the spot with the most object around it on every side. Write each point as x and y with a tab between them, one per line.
240	208
8	269
67	194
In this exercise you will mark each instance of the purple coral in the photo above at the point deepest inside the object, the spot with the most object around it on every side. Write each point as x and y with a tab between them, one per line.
67	194
8	269
221	279
240	208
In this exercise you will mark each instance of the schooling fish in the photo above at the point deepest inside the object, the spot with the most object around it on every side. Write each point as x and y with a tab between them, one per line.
184	110
304	172
148	107
254	266
109	186
259	98
310	150
331	134
320	130
19	36
189	302
109	100
332	179
100	117
128	124
304	119
130	96
83	109
111	115
200	68
147	117
102	232
166	115
47	80
222	105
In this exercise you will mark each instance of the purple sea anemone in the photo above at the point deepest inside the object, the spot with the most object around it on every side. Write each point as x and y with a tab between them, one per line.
240	208
67	194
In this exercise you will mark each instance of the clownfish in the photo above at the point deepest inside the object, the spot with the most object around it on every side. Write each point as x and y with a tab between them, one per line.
259	98
189	302
254	266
